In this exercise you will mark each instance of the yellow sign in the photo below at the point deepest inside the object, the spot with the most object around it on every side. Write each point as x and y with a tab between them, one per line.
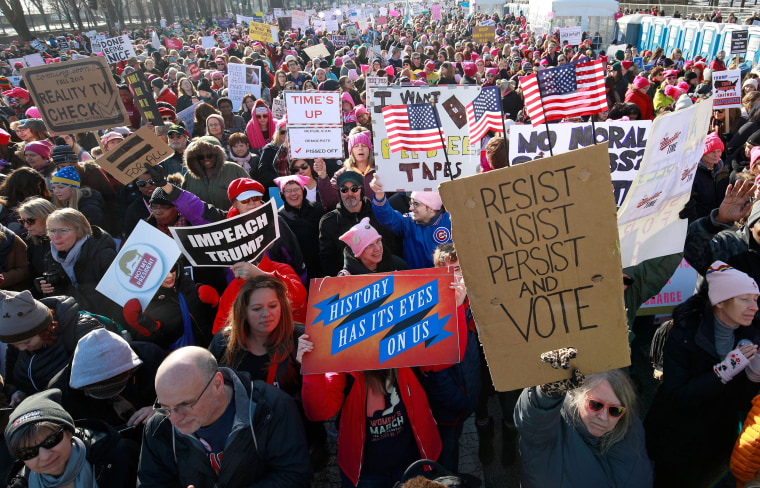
260	32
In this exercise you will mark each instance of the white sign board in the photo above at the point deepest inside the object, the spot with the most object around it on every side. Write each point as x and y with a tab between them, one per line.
243	79
34	60
278	108
117	49
313	108
242	18
332	23
573	35
727	90
207	42
316	142
299	20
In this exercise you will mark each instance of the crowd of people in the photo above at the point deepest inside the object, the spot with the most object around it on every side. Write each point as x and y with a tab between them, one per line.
203	387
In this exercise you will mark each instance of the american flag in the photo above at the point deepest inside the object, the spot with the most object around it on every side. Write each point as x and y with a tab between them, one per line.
570	90
412	127
484	113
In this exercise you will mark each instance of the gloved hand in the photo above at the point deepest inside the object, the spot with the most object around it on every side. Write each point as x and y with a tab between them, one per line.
139	322
689	210
734	364
208	295
157	177
132	311
560	358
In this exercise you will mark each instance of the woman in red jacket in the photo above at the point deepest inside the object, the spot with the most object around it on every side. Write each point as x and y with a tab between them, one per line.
382	412
637	94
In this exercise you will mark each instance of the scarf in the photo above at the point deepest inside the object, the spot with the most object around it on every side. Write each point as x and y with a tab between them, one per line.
70	259
242	161
724	338
78	470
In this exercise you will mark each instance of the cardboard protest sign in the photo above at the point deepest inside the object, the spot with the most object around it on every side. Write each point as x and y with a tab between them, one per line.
419	170
140	267
117	49
378	321
260	32
230	241
144	99
315	142
127	161
727	90
299	20
76	96
544	271
243	79
739	40
317	51
627	140
648	220
573	35
313	108
483	33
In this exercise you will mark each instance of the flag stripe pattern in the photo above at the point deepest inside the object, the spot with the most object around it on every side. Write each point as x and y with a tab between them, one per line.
569	90
484	113
412	127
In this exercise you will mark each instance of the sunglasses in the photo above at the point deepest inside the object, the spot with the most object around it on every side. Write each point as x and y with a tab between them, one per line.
29	453
26	221
353	189
302	167
141	183
262	116
175	135
206	156
250	200
283	132
614	411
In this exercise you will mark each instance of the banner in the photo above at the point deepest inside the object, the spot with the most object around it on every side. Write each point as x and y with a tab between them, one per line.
145	259
540	261
76	96
366	322
260	32
117	49
573	35
483	33
144	99
242	18
727	90
127	161
648	220
419	170
315	142
230	241
626	139
243	79
313	108
225	23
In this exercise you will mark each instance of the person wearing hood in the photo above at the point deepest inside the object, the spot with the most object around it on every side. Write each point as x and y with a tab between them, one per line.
274	161
303	217
710	181
261	128
208	174
347	112
364	254
637	94
163	93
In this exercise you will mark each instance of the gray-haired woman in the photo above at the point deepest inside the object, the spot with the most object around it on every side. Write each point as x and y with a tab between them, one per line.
581	432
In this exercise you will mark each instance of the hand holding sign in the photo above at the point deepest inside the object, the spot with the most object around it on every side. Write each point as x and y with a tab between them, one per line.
157	177
560	358
304	346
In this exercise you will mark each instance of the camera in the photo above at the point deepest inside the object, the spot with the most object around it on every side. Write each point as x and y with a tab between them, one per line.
55	277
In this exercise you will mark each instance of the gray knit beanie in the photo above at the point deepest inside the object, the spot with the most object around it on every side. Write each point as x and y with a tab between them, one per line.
99	356
21	316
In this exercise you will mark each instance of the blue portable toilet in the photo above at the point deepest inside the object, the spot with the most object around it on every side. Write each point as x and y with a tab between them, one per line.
674	38
692	34
753	44
708	45
646	33
660	34
725	41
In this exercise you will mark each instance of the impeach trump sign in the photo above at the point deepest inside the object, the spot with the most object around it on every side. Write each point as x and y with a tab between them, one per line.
379	321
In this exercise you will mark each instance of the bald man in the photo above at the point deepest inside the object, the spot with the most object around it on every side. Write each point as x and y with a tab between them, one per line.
216	427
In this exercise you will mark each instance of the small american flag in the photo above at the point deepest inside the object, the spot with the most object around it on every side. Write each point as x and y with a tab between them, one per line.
570	90
412	127
484	113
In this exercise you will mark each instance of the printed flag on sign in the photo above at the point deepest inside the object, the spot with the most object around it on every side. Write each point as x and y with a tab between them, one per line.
484	113
412	127
570	90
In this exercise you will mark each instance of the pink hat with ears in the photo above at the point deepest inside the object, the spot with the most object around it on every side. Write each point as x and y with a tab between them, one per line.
390	70
302	180
33	113
672	91
364	68
353	75
492	71
683	86
640	82
360	236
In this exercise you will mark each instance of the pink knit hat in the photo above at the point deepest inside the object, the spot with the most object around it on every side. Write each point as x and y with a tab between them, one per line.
713	142
492	71
283	122
360	236
640	82
724	282
469	68
430	198
683	86
300	179
754	156
360	110
672	91
359	138
38	147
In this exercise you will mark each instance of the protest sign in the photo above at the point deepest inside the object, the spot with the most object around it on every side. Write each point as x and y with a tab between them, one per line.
173	44
544	271
367	322
38	45
278	12
140	267
278	108
332	22
317	51
739	39
127	161
420	170
225	23
225	38
315	142
12	62
679	287
117	49
483	33
381	20
243	79
76	96
313	108
207	42
15	80
242	18
648	220
573	35
230	241
436	12
299	20
627	140
34	60
260	32
144	100
338	41
188	116
352	32
727	90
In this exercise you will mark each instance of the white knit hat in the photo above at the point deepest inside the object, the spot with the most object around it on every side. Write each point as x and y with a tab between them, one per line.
101	355
725	282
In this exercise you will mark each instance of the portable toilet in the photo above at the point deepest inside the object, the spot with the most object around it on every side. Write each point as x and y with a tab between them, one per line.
725	37
646	32
708	45
660	34
629	29
674	37
753	44
692	33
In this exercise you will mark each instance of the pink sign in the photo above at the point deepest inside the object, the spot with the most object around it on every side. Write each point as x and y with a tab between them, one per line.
394	13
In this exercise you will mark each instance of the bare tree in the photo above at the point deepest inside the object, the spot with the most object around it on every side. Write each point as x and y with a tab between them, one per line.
14	12
38	4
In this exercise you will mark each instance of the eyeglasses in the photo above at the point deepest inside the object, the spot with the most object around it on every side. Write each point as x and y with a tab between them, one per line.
490	75
292	191
168	119
206	156
353	189
283	132
416	204
175	135
216	78
614	411
262	116
142	183
250	200
29	453
160	208
62	230
302	167
182	409
27	221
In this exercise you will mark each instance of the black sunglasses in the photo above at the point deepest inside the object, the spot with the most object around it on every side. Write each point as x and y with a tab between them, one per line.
27	221
353	189
141	183
295	169
208	156
49	442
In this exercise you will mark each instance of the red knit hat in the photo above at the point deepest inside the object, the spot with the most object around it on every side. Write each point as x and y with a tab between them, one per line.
244	188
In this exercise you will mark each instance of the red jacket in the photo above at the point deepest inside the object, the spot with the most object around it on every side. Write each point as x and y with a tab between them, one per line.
296	292
642	101
168	96
323	397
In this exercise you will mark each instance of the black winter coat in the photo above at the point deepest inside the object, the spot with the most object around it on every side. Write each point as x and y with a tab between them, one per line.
352	266
304	222
92	205
706	193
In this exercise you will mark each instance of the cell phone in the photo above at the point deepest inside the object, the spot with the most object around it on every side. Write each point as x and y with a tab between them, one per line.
38	284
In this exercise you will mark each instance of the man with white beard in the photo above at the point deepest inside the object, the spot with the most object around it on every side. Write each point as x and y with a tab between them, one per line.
177	139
